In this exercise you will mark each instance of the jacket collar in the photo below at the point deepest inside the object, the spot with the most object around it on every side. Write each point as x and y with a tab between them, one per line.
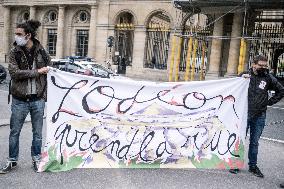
251	71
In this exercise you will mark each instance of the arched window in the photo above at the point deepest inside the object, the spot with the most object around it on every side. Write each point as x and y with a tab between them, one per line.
123	41
157	41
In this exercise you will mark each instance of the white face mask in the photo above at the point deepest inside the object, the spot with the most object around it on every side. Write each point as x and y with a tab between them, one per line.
21	40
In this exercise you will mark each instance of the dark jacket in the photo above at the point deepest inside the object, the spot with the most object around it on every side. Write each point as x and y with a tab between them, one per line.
258	92
20	72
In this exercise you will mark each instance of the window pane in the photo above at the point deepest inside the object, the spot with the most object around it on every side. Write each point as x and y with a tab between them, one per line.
83	16
82	42
51	41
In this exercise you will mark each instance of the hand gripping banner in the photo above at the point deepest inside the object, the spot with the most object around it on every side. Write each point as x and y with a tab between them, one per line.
114	123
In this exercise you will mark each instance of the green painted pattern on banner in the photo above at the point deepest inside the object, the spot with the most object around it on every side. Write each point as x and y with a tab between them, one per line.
54	165
216	162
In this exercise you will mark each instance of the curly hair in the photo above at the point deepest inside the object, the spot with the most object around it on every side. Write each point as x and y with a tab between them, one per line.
30	26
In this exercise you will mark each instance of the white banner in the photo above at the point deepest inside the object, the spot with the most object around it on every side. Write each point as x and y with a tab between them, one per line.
107	123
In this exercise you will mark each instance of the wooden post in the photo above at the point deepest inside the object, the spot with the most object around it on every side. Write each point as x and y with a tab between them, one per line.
193	59
172	59
178	59
188	59
201	77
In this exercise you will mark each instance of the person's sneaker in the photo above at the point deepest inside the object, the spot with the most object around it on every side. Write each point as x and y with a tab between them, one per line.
255	170
234	171
35	165
8	167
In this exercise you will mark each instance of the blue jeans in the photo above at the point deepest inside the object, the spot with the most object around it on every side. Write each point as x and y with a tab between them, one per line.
20	110
256	125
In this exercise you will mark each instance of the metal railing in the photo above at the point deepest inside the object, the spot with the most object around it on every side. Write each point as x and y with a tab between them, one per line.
157	47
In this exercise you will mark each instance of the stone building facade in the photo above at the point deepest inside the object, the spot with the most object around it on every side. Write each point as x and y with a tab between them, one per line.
82	27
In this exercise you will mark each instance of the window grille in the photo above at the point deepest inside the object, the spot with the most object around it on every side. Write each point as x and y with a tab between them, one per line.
82	42
51	41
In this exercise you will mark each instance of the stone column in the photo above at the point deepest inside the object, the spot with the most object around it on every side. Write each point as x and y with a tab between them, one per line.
44	37
170	48
73	42
136	69
234	51
138	48
60	33
6	31
103	29
32	12
216	54
92	32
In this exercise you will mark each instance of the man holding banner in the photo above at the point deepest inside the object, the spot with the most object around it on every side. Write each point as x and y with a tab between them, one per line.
260	83
28	68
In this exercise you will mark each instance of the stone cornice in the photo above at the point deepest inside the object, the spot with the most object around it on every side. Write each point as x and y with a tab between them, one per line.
49	2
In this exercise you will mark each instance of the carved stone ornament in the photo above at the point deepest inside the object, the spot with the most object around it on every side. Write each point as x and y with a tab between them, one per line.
23	16
51	17
82	16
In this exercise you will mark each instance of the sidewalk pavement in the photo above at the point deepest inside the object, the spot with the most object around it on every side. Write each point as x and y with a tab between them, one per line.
5	111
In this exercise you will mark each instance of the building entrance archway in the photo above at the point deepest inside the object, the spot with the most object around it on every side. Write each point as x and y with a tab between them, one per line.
123	47
195	27
157	41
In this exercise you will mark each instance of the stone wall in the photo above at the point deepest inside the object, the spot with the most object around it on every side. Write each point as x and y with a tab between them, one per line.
106	17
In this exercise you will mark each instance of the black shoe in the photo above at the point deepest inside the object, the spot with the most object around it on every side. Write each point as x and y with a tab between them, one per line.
8	167
35	165
234	171
255	170
282	185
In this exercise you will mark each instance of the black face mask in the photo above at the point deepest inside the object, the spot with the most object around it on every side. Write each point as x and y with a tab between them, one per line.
262	71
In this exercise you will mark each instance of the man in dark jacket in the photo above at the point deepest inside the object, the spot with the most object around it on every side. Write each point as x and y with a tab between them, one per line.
28	63
261	81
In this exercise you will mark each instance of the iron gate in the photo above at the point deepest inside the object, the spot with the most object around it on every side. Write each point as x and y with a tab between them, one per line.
201	36
123	46
269	41
157	47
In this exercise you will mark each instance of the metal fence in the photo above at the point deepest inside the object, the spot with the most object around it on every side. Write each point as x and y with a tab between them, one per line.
200	35
269	41
157	47
123	47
